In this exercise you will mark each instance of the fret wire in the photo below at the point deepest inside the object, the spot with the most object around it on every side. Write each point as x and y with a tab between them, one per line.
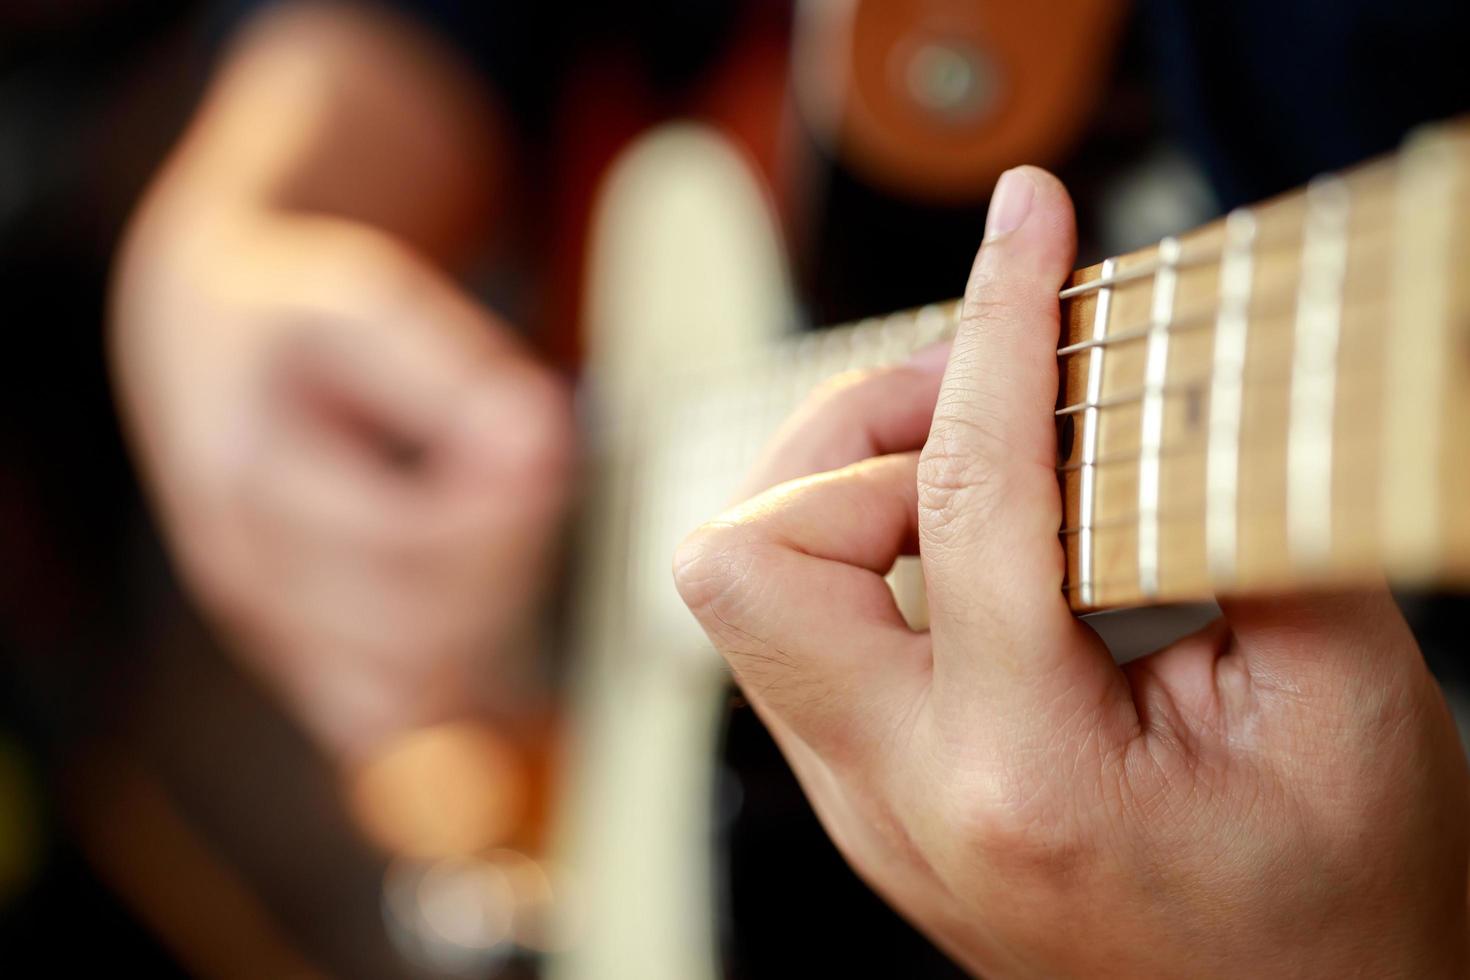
1259	306
938	328
1137	394
1132	396
1123	522
1194	320
1188	259
1109	280
1314	371
1119	523
1143	270
1156	367
1227	391
1138	272
1123	399
1087	499
1182	451
875	341
1171	450
1113	340
1114	459
944	319
1131	518
947	315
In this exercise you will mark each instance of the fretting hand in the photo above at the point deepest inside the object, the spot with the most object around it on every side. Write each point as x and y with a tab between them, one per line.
1281	794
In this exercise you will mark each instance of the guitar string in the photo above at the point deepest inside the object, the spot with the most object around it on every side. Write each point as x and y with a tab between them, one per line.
1200	257
1172	448
1185	386
799	348
856	344
1368	195
789	396
842	353
1266	310
859	338
1179	452
1265	307
856	338
1195	318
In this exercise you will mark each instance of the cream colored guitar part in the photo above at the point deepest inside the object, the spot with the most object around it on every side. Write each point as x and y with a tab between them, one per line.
686	267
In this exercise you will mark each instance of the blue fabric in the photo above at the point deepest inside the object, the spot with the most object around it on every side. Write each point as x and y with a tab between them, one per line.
1268	93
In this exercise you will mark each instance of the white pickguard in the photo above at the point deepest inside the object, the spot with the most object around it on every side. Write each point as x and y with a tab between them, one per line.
686	267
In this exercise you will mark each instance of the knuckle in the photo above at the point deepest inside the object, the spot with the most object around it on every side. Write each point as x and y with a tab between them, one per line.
712	570
985	306
851	394
1016	827
376	277
836	400
829	429
841	387
377	265
1000	296
951	479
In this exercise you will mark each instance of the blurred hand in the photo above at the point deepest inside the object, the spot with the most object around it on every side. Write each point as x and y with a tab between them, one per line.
1282	794
358	469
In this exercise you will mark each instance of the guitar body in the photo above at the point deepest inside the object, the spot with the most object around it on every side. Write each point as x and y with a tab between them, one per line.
685	268
932	99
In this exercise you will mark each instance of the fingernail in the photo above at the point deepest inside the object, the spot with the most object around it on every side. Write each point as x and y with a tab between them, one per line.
1010	203
932	358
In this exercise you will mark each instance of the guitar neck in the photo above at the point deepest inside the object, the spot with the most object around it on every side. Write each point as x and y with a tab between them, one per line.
1277	400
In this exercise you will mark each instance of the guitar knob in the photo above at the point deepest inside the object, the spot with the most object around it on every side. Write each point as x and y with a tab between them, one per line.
933	99
951	80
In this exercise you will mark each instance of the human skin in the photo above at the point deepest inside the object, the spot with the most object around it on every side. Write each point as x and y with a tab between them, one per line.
1282	794
358	469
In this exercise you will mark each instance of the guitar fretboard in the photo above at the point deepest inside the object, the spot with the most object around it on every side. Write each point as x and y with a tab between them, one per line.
1279	399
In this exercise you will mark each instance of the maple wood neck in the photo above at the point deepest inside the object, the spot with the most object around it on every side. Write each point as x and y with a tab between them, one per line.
1279	399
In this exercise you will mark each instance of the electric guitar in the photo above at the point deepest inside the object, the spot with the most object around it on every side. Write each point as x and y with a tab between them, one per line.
1275	401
